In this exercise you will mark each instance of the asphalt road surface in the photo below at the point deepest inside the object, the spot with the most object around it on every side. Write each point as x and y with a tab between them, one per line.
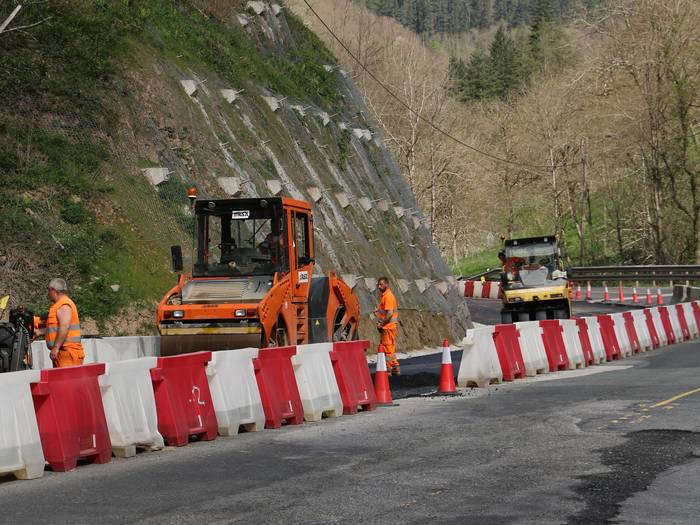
617	443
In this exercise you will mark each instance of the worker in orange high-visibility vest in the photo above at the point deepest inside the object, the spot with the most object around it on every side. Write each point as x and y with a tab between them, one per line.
63	327
387	323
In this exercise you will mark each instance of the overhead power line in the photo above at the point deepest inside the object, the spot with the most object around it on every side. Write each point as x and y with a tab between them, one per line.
417	113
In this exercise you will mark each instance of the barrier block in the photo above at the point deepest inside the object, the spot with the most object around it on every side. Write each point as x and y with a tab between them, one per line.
318	387
675	323
532	348
505	337
71	417
696	314
130	406
658	325
480	365
683	322
651	328
485	289
621	334
585	341
595	338
609	337
495	291
572	343
278	386
692	313
632	335
20	444
553	339
690	319
183	399
234	391
646	342
478	288
667	325
468	288
353	377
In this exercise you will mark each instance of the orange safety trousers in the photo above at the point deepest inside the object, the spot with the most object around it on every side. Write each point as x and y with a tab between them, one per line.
388	341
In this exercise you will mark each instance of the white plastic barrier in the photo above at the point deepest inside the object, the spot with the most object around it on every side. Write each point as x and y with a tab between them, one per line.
478	288
234	391
596	340
495	290
640	325
318	387
130	407
658	324
690	318
621	334
480	365
40	356
675	323
103	349
572	342
20	445
532	348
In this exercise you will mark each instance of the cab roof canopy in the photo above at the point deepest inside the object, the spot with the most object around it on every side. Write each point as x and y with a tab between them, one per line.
216	206
549	239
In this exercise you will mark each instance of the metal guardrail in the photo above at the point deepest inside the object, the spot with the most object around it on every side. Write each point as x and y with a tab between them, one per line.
635	273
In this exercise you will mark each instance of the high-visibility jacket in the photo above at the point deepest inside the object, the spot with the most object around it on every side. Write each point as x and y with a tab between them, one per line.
388	309
72	342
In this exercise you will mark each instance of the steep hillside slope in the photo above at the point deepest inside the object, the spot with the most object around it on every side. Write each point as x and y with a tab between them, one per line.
114	109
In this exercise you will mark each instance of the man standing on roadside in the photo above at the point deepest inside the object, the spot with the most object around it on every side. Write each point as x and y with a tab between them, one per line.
388	315
63	327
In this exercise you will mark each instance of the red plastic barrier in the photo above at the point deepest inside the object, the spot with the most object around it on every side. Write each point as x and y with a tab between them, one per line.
278	386
71	418
353	377
585	339
468	288
632	332
553	339
183	399
683	322
655	341
486	290
668	327
505	337
696	313
607	332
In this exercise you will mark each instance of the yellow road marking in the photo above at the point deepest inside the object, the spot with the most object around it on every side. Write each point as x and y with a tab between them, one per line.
676	398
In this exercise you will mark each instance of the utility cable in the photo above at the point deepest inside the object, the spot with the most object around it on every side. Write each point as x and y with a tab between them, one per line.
417	113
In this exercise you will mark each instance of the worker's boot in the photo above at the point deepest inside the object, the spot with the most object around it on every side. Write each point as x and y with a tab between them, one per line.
395	371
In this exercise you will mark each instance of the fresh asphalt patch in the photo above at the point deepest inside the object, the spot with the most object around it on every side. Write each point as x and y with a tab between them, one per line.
633	467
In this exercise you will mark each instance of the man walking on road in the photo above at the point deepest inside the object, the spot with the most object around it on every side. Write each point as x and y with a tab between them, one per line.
63	327
388	315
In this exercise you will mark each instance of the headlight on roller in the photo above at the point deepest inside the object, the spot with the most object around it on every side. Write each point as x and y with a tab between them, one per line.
178	314
239	313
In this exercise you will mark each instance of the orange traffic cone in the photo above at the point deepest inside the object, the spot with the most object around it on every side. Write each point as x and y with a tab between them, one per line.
447	375
648	299
621	293
578	292
659	297
589	292
382	391
635	296
606	295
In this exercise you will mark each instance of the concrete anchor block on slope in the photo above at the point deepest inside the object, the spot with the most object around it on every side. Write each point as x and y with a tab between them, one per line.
365	203
190	87
404	284
257	7
156	176
274	186
230	185
342	199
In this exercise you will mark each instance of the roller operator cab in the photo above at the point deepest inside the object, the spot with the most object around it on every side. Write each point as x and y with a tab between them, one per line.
534	285
252	282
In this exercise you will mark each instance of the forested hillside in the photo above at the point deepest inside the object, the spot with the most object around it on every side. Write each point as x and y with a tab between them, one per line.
111	110
454	16
584	126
